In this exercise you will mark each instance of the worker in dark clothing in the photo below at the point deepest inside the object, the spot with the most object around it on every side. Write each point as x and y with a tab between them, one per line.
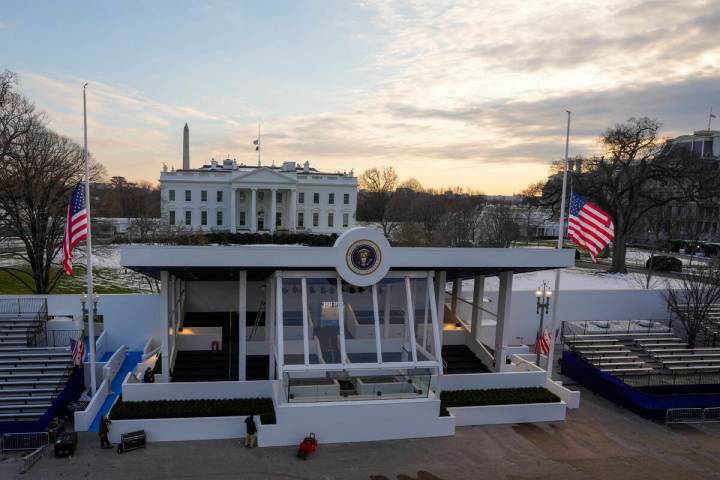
149	376
250	432
104	430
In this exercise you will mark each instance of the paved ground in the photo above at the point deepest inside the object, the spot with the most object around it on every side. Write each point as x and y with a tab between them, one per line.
599	441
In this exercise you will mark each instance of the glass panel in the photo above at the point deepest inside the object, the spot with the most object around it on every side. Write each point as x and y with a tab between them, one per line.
392	309
344	385
359	324
293	345
324	336
423	321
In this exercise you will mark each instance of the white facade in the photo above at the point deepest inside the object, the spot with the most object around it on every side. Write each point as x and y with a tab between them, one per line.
242	198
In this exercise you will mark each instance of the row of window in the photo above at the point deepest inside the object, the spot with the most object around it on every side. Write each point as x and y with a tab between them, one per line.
278	219
261	197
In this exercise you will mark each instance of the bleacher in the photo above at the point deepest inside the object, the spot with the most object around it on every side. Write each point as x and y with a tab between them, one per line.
30	377
651	352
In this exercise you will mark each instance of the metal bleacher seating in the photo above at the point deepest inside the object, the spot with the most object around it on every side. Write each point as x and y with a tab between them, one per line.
608	353
30	377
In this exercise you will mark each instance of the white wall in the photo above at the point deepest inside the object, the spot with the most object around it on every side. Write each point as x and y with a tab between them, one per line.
84	419
499	414
178	429
573	305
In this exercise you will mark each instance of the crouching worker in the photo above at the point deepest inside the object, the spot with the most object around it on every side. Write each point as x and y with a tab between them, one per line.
250	432
104	430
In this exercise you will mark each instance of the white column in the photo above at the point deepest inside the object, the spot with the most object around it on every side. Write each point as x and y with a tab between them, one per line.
279	326
252	214
164	310
172	300
242	324
440	298
478	295
503	317
273	209
233	207
455	292
292	211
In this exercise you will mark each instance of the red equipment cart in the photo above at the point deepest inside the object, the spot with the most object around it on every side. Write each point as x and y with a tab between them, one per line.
307	446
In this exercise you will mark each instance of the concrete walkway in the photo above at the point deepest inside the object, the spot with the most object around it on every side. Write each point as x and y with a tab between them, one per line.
600	442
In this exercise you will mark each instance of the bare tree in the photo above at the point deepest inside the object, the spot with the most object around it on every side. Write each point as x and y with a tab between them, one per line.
634	177
499	229
692	301
376	202
39	170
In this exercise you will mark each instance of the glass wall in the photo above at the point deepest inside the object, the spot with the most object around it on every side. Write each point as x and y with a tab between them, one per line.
384	326
324	316
360	340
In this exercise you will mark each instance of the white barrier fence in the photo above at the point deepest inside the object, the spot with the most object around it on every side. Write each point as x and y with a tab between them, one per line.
14	442
692	415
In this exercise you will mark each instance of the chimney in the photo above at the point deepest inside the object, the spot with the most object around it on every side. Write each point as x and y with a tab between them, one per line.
306	167
186	148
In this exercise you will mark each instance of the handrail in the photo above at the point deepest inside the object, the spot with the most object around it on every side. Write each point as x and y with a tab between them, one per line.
472	305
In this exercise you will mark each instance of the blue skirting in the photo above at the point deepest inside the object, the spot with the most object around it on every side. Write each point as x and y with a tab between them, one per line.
649	405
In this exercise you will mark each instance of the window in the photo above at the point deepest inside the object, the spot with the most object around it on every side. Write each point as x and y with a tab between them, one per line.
219	218
331	198
346	220
188	217
242	218
301	220
278	219
316	219
301	197
241	196
203	195
171	195
331	219
219	196
203	217
172	217
188	196
278	197
316	198
261	195
346	198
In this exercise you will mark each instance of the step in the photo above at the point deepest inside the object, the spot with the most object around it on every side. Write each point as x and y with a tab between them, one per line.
28	399
28	353
22	416
34	368
29	392
21	408
36	376
34	361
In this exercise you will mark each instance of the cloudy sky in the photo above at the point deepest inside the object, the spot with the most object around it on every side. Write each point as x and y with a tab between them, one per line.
451	93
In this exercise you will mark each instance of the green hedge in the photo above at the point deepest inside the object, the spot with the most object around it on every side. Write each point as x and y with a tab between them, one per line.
313	240
501	396
194	408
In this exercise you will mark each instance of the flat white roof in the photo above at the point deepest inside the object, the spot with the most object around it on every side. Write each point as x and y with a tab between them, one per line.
153	258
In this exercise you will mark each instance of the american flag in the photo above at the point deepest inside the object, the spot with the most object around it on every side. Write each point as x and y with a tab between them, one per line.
76	226
588	226
78	352
542	345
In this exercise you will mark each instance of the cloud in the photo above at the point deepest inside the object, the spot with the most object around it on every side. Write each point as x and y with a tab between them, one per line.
465	92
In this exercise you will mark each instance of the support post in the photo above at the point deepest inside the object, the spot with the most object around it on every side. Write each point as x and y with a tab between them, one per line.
378	343
455	292
440	298
503	317
341	321
478	295
164	311
242	325
279	325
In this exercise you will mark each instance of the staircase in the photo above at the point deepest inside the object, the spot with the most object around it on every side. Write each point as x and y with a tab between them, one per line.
208	366
460	359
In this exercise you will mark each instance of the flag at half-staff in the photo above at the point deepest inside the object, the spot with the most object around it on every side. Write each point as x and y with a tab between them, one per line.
589	227
77	347
76	226
542	343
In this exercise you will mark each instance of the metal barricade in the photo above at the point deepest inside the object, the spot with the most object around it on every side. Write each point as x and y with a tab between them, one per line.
32	458
13	442
684	415
711	415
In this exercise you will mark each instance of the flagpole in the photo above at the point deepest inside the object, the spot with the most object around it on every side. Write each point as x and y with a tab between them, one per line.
561	235
710	117
258	146
90	304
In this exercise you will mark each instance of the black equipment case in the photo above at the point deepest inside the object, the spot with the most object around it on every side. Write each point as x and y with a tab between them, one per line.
131	441
65	444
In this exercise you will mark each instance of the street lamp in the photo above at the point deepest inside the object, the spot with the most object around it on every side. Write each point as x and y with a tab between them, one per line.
542	299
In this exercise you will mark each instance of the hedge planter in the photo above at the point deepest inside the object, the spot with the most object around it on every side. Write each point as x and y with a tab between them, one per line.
162	409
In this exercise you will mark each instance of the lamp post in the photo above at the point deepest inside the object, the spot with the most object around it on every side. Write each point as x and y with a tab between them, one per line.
542	300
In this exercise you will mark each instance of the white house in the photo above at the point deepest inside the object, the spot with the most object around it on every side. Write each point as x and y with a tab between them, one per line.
244	198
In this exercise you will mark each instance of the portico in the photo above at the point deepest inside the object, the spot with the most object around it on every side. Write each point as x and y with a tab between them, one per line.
258	208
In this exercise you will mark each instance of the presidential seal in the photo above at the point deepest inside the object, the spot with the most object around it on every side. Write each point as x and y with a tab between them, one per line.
363	257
